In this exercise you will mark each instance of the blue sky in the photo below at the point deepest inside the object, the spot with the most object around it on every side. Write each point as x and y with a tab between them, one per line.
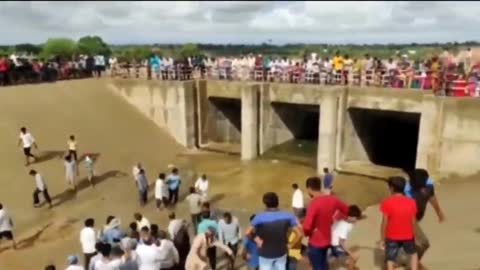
241	22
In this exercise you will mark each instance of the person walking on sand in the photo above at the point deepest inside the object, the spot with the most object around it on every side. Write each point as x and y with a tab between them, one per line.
27	141
142	185
298	204
41	187
161	192
201	185
173	182
70	171
89	167
72	147
6	226
136	171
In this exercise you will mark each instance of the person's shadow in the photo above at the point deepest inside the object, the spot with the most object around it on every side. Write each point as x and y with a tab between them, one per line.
84	184
44	156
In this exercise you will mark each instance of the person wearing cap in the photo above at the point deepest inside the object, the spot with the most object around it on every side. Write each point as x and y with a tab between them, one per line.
197	257
73	263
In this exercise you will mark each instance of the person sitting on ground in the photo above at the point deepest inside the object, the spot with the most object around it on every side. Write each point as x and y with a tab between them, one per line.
340	231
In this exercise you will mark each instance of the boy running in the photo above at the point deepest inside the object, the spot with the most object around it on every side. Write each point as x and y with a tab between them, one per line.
27	141
340	231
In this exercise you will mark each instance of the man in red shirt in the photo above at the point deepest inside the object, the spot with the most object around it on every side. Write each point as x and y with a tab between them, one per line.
3	70
397	231
318	222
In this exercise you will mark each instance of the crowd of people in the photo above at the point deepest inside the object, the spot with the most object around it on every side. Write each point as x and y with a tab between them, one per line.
445	74
273	240
15	69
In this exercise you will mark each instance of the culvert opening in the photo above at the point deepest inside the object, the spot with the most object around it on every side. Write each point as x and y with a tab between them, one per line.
297	124
390	138
224	125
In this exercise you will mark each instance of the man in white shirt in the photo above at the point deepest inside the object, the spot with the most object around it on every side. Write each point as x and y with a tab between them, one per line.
340	231
27	141
40	187
136	171
174	225
161	192
229	234
6	226
195	206
148	255
298	203
201	185
88	240
169	256
107	263
141	221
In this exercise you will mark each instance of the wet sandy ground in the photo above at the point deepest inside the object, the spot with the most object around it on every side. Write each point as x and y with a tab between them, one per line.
106	125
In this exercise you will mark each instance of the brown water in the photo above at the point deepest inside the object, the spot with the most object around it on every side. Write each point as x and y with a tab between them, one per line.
107	125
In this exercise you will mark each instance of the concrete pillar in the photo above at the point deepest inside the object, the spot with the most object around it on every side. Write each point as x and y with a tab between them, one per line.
327	139
250	125
431	126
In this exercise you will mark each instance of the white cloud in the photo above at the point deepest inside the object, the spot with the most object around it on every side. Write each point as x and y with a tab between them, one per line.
241	22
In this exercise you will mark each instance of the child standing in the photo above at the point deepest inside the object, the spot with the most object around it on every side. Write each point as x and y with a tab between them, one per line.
250	251
340	231
72	147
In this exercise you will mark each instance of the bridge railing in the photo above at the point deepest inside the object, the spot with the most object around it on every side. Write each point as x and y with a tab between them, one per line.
449	84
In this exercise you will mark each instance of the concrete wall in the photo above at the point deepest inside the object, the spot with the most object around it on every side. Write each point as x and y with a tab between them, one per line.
447	141
459	146
170	104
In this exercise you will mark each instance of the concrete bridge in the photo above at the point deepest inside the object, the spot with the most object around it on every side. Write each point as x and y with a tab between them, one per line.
358	129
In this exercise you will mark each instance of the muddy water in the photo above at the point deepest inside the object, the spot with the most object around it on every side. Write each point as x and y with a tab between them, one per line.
240	185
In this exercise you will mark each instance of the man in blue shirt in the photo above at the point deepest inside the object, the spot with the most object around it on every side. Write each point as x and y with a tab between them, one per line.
173	182
111	233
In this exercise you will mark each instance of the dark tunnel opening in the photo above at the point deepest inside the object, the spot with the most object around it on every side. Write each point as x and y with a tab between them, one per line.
301	119
230	109
390	138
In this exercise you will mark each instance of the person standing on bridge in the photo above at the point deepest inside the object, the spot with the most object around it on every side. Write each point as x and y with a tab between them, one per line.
27	141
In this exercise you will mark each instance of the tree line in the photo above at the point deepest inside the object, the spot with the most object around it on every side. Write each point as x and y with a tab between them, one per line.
66	47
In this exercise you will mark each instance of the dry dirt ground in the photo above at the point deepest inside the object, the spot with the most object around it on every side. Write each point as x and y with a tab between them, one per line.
108	126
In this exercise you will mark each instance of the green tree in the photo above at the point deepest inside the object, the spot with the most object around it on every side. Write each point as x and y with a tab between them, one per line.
28	48
189	49
63	47
92	45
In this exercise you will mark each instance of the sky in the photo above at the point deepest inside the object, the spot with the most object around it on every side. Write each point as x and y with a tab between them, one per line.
240	22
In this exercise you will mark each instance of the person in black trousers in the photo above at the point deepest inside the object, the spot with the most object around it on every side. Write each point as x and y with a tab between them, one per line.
41	187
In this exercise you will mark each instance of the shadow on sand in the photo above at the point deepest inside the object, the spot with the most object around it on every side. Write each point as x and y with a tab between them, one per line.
49	155
29	241
83	184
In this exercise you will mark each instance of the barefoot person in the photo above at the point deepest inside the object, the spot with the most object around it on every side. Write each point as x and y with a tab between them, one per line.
41	187
70	171
27	141
6	226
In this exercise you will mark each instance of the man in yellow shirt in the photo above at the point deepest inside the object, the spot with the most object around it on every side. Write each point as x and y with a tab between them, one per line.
338	61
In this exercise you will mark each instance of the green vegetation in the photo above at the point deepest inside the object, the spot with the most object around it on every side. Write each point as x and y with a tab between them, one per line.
95	45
